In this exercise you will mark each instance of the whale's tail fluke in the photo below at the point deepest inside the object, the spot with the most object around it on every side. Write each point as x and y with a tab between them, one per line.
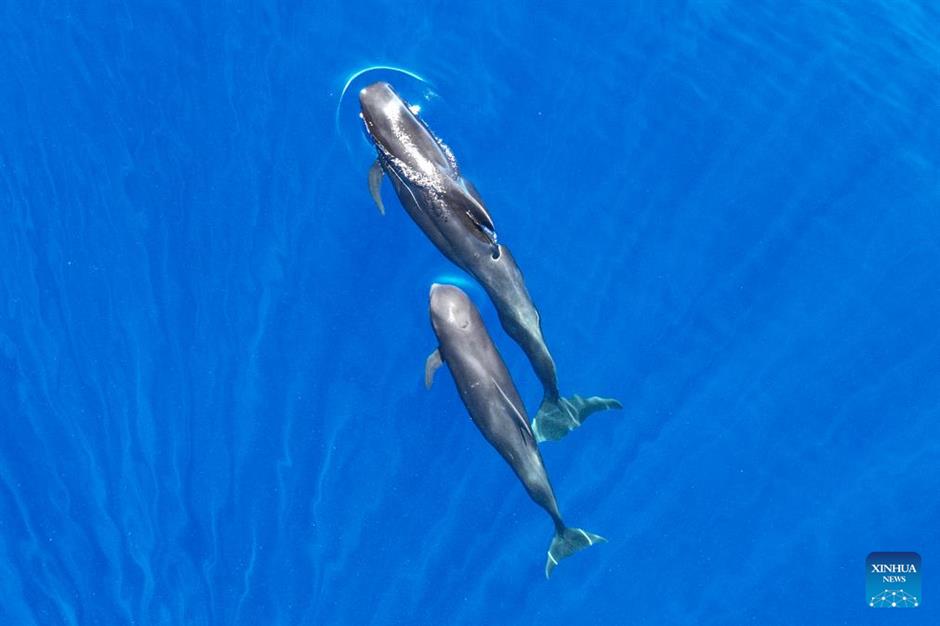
557	418
565	543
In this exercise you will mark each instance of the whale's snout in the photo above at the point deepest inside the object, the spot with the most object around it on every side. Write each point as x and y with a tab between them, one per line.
449	306
383	111
440	294
376	97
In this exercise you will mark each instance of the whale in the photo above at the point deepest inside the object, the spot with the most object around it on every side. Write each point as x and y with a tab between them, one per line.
494	405
451	213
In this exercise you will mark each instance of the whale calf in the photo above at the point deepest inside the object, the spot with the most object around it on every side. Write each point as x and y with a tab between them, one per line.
495	407
450	211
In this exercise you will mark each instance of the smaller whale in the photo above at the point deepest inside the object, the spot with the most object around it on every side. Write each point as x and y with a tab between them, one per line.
495	407
450	211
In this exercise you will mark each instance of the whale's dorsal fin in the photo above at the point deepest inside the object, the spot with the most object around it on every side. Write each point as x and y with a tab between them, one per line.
521	423
375	185
478	215
430	366
477	210
472	189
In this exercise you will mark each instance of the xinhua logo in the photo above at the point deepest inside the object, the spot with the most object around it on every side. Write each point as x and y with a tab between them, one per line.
892	580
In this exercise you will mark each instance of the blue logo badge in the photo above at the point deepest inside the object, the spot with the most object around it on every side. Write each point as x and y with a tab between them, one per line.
892	580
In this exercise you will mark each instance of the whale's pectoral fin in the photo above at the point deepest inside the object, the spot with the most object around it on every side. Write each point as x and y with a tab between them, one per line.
430	366
556	419
566	543
375	185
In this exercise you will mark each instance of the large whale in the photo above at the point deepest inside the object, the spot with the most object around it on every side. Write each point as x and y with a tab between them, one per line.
447	207
495	406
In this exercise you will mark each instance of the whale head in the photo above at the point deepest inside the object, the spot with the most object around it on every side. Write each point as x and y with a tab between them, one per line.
452	312
402	140
423	169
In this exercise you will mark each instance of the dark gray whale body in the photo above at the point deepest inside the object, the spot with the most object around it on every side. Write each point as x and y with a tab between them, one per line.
495	406
451	213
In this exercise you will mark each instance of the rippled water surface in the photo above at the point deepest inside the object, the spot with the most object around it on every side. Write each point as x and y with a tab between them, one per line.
212	345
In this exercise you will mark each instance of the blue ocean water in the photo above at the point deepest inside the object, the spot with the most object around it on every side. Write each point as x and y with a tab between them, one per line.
212	345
